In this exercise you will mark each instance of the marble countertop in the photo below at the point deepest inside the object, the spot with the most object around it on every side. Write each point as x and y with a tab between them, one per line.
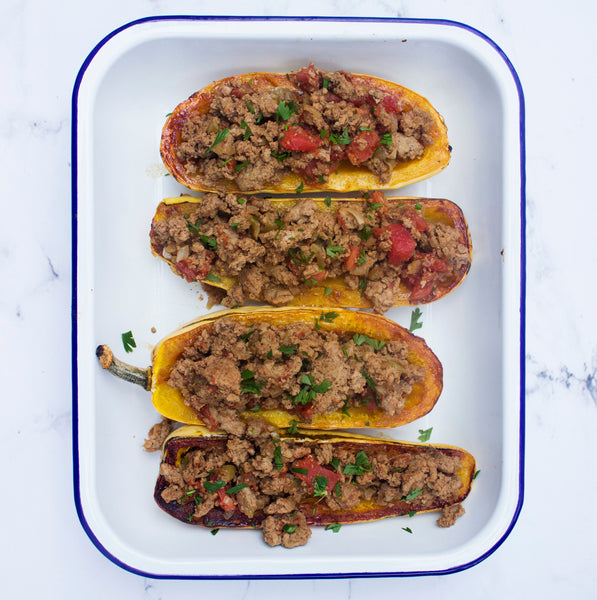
550	552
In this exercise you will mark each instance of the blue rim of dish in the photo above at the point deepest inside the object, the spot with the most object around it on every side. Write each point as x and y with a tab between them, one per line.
522	308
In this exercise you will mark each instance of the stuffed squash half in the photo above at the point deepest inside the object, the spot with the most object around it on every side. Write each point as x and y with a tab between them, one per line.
373	252
311	129
283	483
255	367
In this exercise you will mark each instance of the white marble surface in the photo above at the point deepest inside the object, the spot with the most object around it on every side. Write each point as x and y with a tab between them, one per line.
549	554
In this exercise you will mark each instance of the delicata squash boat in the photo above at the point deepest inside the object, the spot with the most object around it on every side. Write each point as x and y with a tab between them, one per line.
326	369
370	252
311	129
286	482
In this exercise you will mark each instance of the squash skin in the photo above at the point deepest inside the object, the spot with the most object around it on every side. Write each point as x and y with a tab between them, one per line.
315	513
435	210
169	401
347	178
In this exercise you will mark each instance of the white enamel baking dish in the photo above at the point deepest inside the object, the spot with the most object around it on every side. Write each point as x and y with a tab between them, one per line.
123	92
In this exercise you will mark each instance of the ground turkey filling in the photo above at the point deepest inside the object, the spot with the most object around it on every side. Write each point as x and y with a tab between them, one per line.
234	367
279	483
275	253
255	136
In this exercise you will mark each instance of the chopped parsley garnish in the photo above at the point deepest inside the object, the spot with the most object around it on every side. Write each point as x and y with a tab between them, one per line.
327	291
373	206
214	531
362	257
279	223
327	317
285	110
240	200
278	458
309	390
418	206
335	462
412	494
342	140
241	165
425	434
319	485
300	470
288	528
328	201
360	338
300	258
288	349
194	227
299	189
414	320
292	426
250	107
335	527
476	474
280	156
237	488
208	242
360	466
248	383
212	277
334	251
386	139
325	83
247	133
407	529
128	341
245	336
362	285
412	513
213	486
220	137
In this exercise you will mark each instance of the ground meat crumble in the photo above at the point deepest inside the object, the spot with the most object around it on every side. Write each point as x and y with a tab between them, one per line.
274	253
279	484
234	366
255	136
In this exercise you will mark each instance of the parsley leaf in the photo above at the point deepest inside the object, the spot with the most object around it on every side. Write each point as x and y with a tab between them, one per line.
220	137
407	529
213	486
334	251
360	338
319	485
361	465
212	277
425	434
292	427
412	494
237	488
285	110
414	320
128	341
288	528
335	527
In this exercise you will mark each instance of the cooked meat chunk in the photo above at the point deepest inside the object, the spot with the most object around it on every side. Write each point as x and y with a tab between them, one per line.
157	434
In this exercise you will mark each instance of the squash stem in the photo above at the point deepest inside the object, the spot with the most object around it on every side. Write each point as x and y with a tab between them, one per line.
121	369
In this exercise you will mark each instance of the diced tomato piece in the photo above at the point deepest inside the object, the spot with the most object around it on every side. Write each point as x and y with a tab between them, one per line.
403	244
364	100
390	103
421	291
305	411
299	139
319	276
351	260
417	218
225	500
362	147
308	78
191	272
313	470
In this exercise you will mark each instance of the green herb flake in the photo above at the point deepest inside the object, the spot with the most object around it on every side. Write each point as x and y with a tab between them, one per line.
292	427
326	82
128	341
360	466
334	251
214	531
300	470
213	486
278	459
212	277
288	528
299	189
220	137
360	338
413	494
335	527
237	488
288	349
476	474
240	200
425	434
412	513
250	107
407	529
386	139
415	323
418	206
285	110
328	201
362	257
327	291
319	486
241	165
